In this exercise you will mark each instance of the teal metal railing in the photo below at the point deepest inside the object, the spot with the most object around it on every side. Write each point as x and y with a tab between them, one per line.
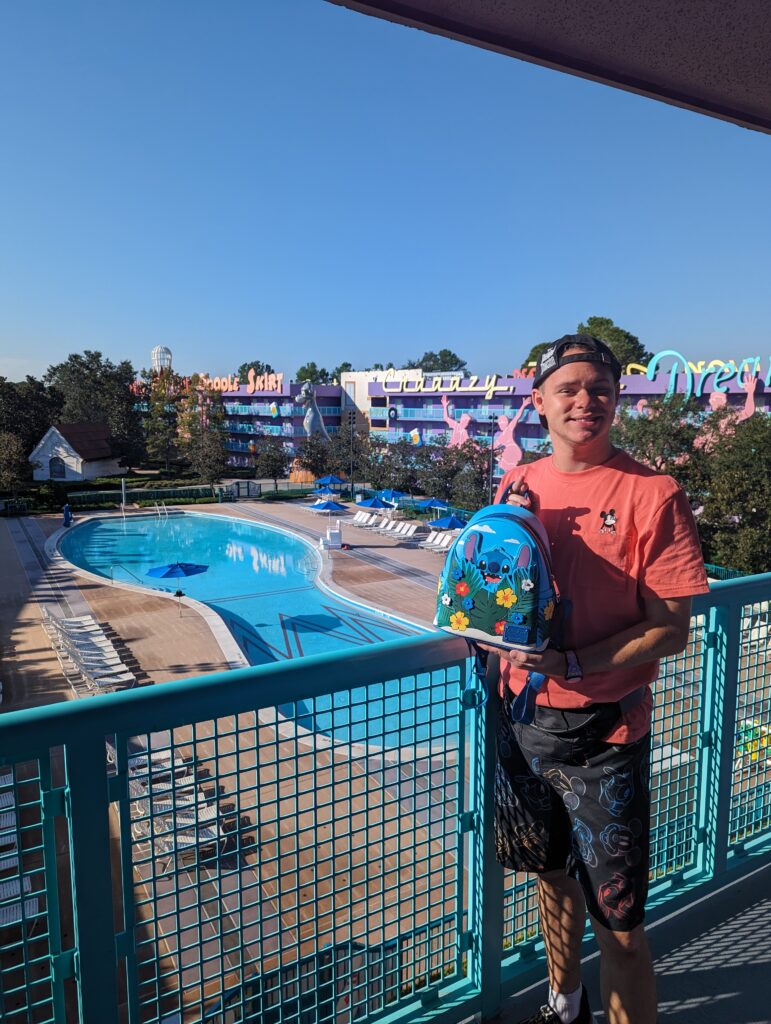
311	840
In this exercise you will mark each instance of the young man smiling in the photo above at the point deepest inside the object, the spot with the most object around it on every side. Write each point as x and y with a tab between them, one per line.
572	783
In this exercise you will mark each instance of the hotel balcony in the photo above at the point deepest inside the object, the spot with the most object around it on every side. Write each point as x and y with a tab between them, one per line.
311	840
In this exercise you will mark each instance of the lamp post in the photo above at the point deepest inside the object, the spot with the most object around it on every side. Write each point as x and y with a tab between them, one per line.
492	456
351	425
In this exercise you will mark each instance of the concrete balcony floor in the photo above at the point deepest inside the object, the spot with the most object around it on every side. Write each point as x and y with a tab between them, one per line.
712	960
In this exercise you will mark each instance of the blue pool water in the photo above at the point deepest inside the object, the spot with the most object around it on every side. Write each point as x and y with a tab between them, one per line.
262	583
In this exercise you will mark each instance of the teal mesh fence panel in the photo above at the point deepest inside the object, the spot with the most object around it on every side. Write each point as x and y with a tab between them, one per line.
720	572
302	856
751	795
311	842
28	937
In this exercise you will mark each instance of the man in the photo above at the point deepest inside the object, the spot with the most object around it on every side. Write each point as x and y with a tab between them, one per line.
572	797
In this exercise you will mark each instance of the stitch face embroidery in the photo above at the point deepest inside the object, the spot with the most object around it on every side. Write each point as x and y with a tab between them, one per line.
608	521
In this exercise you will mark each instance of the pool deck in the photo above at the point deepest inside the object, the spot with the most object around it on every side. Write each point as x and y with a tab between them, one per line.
166	645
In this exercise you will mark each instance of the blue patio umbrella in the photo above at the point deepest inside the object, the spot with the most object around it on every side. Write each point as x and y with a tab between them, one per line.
328	506
325	492
448	523
373	503
175	570
431	503
330	479
389	494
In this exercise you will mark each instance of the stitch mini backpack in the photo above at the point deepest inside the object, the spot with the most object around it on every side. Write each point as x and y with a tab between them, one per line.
497	584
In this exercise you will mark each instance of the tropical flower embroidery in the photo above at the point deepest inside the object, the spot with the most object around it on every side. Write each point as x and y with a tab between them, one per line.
527	585
548	610
446	600
468	603
461	589
499	627
505	597
457	574
517	617
459	621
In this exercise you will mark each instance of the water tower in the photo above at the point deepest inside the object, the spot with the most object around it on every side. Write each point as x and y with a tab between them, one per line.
160	358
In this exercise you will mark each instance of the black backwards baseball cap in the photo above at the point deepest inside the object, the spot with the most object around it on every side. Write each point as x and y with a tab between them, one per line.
592	351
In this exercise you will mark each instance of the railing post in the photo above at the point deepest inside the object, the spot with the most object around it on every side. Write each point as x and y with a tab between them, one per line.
726	628
486	874
92	890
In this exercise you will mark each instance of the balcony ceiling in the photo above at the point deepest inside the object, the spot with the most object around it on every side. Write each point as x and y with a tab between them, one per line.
711	56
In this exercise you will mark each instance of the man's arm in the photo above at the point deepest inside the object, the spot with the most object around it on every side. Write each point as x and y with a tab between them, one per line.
663	631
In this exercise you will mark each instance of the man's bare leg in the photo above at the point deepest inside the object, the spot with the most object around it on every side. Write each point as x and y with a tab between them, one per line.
562	909
626	976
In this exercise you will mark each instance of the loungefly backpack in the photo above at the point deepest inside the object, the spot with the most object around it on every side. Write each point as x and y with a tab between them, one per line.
497	583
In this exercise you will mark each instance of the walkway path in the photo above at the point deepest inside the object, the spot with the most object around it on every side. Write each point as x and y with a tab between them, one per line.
712	961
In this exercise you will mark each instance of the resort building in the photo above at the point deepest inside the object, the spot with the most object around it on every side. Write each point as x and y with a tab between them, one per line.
422	408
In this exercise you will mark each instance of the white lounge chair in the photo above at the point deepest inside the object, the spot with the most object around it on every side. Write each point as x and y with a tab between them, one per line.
443	543
430	540
12	887
401	528
7	800
365	520
16	913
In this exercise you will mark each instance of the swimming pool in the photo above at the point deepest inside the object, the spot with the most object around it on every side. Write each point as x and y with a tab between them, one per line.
263	583
260	580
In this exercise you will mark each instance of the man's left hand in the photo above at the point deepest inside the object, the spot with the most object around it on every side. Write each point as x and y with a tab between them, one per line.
548	663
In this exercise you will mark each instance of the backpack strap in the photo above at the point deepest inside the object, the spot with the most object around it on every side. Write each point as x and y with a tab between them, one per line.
484	667
523	705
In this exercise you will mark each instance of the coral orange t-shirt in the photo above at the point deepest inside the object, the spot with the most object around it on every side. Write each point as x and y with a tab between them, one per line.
619	533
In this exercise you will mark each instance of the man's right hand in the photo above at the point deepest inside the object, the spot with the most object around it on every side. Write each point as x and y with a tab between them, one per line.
518	493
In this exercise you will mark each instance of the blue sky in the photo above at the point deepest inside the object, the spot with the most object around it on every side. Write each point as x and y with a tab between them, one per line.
292	181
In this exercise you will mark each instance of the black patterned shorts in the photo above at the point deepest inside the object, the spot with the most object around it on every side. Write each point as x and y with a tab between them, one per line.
566	800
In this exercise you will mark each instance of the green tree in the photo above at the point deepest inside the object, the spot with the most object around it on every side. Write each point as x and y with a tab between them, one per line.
201	432
272	460
315	374
443	361
27	409
96	390
733	524
662	436
626	347
534	353
394	464
258	366
436	470
471	480
160	425
314	454
350	450
338	371
14	468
